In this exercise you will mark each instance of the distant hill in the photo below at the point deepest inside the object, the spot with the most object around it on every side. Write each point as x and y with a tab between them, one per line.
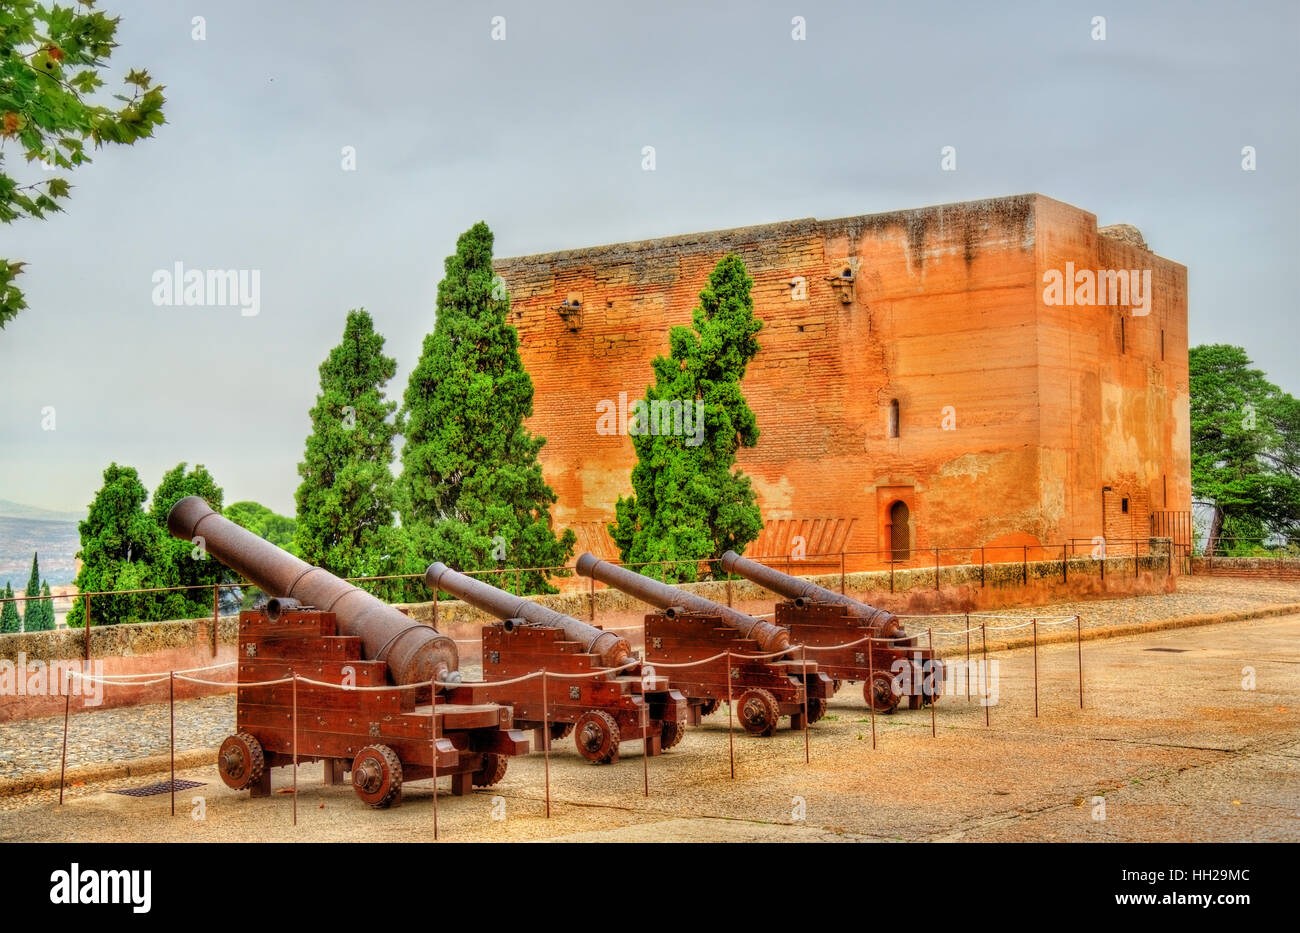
18	510
56	542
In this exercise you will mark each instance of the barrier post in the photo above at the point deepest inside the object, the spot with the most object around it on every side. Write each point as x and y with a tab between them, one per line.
67	702
803	658
171	715
645	749
871	685
546	742
968	657
1035	668
1078	629
984	637
934	689
433	734
731	735
293	674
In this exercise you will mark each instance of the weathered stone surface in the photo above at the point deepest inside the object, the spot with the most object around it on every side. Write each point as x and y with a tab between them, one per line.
1059	414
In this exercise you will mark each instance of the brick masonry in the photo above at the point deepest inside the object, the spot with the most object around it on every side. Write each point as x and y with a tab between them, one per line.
941	309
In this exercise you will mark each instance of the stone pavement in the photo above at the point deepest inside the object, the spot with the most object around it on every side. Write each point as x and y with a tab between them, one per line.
102	736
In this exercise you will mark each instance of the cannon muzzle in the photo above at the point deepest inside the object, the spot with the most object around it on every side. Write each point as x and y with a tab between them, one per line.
414	653
803	592
612	650
673	600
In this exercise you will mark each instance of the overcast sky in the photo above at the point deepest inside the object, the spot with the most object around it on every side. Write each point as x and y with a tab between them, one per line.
541	136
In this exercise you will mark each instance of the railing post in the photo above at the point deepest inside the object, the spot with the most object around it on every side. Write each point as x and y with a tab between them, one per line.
86	622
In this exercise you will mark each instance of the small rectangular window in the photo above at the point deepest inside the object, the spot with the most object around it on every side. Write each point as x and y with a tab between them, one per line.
1123	505
1162	345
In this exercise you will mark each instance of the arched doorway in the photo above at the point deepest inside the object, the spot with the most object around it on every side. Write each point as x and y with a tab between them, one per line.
900	531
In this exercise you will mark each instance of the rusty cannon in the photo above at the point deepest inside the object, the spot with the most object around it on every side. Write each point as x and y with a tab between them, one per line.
623	700
375	693
890	667
767	679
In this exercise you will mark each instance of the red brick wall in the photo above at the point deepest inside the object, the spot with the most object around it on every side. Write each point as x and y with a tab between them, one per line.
946	316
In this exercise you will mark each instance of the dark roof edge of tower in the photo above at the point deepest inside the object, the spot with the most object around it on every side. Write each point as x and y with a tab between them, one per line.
1016	208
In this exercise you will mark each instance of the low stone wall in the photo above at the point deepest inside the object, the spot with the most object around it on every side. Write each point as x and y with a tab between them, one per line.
159	647
913	592
1276	568
32	664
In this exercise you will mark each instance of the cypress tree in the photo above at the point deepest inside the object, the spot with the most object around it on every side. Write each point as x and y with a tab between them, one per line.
346	502
9	618
472	492
687	503
47	608
33	614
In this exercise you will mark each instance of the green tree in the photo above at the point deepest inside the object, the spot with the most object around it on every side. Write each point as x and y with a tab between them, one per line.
472	492
687	503
33	611
118	540
9	618
182	563
51	60
280	530
346	502
47	609
1245	435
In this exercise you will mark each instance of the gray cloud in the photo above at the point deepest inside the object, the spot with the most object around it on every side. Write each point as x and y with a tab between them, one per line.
540	136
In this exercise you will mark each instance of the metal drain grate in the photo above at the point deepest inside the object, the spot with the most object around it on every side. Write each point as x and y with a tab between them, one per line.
1170	650
162	787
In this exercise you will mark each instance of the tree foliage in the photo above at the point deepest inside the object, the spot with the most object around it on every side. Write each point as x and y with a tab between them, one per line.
117	540
38	614
347	500
688	504
125	546
180	563
1245	448
10	621
472	491
51	63
280	530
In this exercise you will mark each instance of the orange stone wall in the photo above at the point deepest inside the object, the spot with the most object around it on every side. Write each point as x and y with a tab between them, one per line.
1013	414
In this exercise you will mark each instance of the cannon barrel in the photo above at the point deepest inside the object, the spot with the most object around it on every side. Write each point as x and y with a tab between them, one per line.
769	637
414	653
612	650
885	623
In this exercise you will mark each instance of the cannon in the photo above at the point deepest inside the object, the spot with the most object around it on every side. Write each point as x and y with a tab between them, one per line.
394	715
625	701
891	667
690	628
